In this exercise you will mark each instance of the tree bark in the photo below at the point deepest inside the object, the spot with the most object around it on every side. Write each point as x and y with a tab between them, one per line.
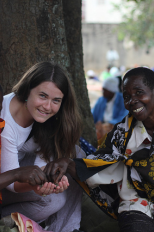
38	30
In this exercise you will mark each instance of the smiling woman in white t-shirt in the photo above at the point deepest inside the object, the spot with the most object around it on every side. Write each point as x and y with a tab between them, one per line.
42	124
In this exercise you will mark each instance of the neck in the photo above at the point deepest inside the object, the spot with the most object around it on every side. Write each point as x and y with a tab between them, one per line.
149	127
110	98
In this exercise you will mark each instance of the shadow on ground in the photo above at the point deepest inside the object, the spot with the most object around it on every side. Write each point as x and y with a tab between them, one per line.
94	220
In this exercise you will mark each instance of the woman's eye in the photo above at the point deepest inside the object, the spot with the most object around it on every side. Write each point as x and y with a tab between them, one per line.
125	97
42	96
56	100
138	92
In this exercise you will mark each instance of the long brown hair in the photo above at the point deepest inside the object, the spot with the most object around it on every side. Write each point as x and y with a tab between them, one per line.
59	134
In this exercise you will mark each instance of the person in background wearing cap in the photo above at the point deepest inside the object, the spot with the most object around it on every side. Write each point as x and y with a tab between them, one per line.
109	108
91	75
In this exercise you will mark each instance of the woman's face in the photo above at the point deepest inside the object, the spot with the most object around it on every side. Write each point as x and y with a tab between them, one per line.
138	98
107	94
44	101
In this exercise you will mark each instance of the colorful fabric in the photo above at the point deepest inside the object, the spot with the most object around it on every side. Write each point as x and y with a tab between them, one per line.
119	111
112	153
26	224
86	146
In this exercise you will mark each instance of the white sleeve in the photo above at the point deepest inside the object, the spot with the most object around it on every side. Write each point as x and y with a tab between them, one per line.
110	175
9	152
39	161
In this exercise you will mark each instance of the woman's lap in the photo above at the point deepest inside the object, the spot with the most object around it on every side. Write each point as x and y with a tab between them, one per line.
63	210
33	206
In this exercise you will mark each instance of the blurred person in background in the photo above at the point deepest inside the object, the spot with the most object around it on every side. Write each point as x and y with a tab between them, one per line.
116	72
91	75
106	73
109	108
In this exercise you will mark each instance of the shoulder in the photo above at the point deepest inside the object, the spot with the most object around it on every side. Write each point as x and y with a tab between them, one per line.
119	95
5	113
9	133
6	101
8	97
101	99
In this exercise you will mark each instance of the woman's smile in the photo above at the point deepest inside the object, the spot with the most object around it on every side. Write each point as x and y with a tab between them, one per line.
43	112
138	110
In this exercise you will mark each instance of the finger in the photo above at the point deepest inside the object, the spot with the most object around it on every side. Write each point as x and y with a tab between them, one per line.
50	168
64	185
58	176
52	174
64	178
42	178
37	178
43	188
31	180
52	188
38	187
49	189
46	168
47	171
58	190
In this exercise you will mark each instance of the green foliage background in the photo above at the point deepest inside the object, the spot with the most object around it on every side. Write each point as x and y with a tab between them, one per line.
138	22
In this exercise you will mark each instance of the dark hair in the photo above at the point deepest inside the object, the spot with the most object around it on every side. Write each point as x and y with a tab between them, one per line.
120	83
1	89
59	134
146	73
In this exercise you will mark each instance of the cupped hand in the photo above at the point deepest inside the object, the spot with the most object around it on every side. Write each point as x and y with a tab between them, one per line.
46	189
56	169
32	175
62	185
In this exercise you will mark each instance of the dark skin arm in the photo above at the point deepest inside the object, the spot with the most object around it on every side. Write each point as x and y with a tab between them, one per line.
59	167
32	175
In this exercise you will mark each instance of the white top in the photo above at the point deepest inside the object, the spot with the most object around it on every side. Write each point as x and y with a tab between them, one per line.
13	139
117	173
108	114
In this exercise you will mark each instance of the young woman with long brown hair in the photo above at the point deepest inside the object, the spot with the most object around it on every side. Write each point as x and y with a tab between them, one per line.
42	124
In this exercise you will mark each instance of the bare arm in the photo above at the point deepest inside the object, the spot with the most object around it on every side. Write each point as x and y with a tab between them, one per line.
7	178
28	177
38	182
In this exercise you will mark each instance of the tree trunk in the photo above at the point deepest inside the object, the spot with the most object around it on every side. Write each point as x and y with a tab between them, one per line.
38	30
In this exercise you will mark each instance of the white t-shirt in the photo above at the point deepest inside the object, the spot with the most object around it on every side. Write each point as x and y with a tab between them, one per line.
13	139
108	114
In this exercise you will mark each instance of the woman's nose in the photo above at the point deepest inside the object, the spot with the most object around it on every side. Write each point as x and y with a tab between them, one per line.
133	100
47	105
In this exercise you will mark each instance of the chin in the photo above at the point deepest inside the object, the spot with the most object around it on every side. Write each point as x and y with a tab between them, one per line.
41	120
139	118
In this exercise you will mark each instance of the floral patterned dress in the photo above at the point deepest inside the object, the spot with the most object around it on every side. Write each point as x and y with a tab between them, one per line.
119	176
